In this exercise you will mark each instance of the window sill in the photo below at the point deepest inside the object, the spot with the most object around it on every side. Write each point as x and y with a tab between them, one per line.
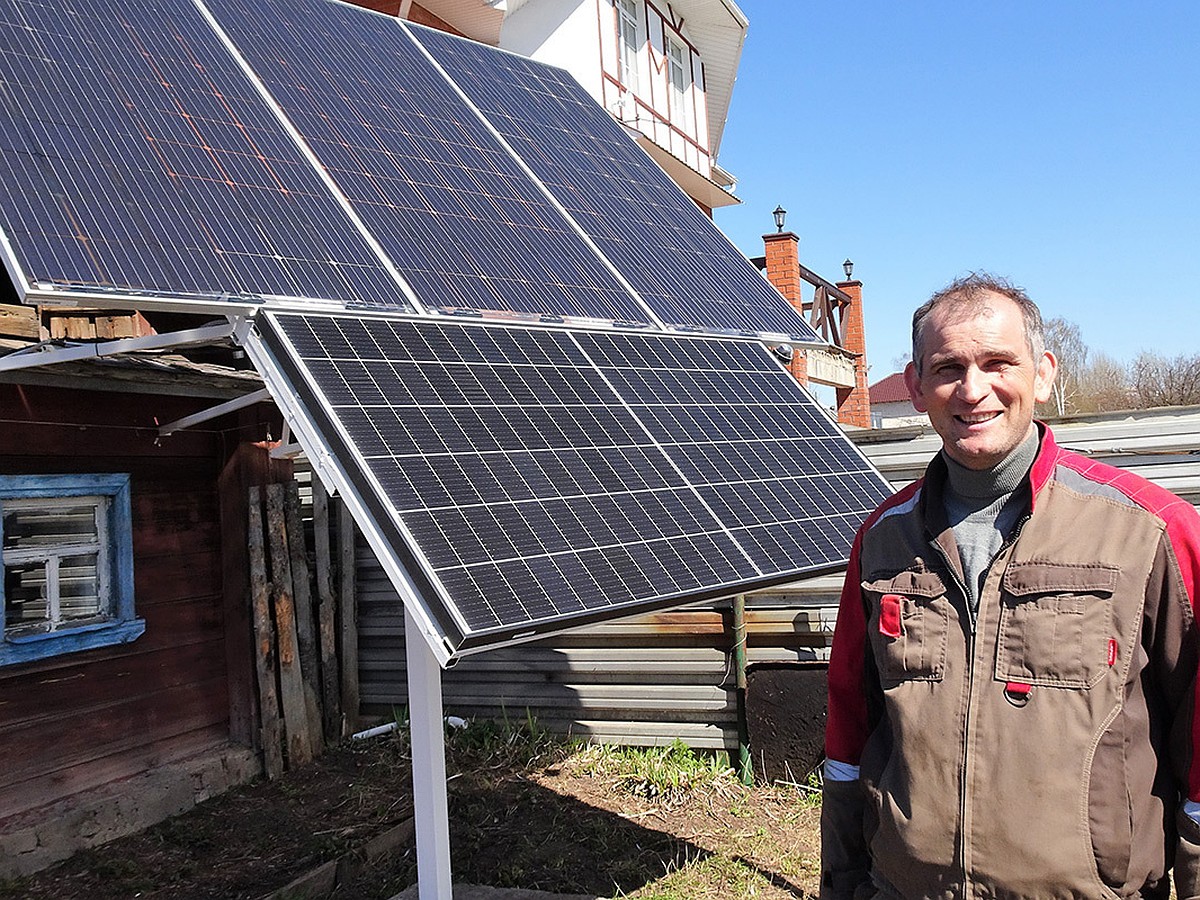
31	647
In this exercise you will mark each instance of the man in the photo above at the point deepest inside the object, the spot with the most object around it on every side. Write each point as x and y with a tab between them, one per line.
1013	677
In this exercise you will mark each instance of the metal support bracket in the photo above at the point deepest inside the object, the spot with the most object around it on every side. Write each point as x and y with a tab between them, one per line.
287	449
214	412
428	742
41	355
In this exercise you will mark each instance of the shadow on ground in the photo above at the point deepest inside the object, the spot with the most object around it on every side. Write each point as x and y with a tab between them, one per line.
506	831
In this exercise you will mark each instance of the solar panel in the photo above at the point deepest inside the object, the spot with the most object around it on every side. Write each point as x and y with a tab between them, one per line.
137	158
461	220
535	478
677	260
776	471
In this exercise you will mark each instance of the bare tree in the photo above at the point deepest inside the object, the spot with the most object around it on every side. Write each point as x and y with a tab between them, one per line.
1158	380
1065	341
1105	385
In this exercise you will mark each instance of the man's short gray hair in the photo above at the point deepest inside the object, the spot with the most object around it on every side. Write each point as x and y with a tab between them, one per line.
967	295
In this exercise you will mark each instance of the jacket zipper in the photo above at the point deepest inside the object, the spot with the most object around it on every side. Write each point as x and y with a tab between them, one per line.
973	615
963	852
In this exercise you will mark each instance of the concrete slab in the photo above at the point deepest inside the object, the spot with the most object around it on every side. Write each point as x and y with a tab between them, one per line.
478	892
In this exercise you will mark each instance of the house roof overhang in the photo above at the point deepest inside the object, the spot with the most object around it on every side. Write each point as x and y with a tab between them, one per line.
480	20
703	190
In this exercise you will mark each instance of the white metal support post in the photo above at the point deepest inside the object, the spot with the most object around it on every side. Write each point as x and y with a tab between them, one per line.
428	743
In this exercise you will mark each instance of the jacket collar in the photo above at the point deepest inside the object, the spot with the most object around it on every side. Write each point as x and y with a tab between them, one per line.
1044	464
933	508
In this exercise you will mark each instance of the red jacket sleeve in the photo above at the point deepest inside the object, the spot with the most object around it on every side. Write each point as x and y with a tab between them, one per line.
846	727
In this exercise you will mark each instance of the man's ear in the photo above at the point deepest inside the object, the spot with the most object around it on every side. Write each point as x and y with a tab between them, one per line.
912	381
1043	382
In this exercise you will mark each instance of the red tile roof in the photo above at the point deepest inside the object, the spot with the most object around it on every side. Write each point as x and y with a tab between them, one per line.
889	390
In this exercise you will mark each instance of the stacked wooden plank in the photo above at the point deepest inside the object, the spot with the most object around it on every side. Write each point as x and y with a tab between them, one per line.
95	325
295	628
70	323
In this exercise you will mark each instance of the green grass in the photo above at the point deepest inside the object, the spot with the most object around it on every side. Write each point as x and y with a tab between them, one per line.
717	877
657	773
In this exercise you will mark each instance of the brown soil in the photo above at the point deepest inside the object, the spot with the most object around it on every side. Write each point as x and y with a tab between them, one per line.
523	814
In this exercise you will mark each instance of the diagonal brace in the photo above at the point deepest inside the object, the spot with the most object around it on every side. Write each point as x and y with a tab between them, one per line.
214	412
40	356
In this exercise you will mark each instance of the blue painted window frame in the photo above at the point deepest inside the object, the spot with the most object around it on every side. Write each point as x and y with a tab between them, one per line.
124	626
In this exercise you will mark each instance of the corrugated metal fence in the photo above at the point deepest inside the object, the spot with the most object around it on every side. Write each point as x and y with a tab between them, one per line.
653	678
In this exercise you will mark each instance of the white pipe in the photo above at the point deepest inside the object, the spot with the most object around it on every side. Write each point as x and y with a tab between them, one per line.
386	728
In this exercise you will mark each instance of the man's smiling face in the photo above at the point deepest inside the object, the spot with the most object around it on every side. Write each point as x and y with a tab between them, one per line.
978	379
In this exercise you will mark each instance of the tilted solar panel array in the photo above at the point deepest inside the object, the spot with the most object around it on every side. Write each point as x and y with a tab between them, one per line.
454	211
136	156
140	156
520	477
543	477
677	260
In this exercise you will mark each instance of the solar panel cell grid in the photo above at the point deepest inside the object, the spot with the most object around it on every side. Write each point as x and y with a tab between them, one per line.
140	158
765	460
541	475
672	254
454	211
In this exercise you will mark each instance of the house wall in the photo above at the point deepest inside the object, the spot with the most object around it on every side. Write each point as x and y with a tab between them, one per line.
75	723
559	34
649	108
895	415
419	14
416	13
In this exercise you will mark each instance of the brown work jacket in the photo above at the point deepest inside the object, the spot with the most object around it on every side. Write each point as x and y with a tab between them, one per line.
1043	746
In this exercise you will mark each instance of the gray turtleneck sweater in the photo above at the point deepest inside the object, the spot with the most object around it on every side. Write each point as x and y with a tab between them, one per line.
983	506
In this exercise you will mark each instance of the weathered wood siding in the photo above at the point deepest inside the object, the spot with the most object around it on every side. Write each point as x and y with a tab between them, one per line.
653	678
81	720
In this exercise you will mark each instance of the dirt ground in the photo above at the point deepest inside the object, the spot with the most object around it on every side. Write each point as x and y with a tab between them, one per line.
528	814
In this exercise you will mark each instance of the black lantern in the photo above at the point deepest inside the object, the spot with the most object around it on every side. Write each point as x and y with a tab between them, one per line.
848	268
780	214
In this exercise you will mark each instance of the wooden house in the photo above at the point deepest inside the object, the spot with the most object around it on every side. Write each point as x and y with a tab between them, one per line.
126	690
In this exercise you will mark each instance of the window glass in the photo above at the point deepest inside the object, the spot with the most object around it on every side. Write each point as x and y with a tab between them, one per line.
627	24
679	62
26	607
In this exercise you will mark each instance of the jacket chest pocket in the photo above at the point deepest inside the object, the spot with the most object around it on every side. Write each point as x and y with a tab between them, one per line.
908	619
1056	627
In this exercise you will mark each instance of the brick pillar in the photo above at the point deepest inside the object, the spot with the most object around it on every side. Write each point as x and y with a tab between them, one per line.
783	271
854	404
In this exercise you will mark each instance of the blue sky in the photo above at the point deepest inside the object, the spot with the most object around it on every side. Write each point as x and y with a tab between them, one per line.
1055	143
